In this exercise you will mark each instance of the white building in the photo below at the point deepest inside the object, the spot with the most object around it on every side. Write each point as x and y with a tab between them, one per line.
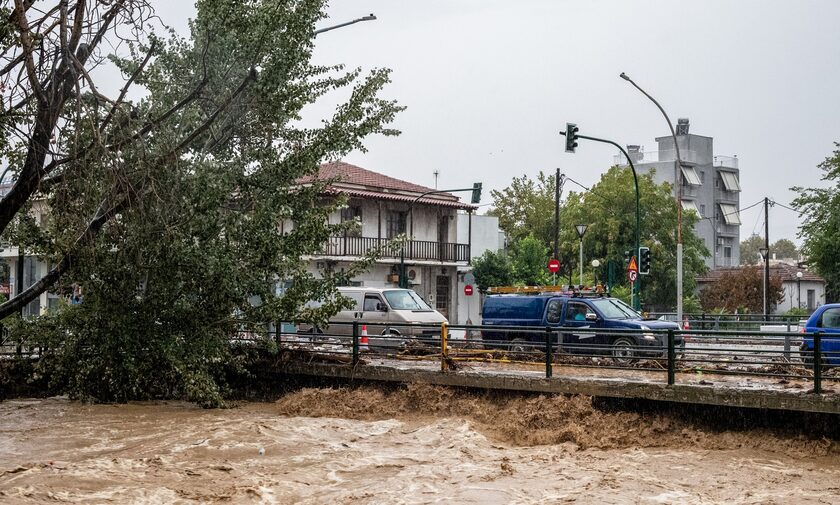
441	241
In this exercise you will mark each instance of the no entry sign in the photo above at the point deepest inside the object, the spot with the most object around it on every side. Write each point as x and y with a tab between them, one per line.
468	290
554	266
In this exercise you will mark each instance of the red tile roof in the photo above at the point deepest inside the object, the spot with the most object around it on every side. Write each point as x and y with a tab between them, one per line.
360	182
783	270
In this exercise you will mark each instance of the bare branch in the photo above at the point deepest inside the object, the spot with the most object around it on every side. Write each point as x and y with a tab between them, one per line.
26	43
127	85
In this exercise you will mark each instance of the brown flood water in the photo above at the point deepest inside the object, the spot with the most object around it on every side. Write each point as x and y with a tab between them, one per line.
418	445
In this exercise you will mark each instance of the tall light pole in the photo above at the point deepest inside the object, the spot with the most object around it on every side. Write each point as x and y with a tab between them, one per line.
369	17
581	229
798	290
765	255
677	196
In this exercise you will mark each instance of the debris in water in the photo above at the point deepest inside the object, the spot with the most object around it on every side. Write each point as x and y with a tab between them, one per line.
262	451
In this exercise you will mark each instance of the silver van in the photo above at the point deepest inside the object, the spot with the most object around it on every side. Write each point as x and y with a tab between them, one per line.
389	313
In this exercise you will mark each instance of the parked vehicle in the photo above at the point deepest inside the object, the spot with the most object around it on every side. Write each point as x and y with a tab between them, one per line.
394	317
567	312
826	320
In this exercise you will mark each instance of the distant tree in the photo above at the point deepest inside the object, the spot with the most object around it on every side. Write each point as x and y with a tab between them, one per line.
750	249
530	257
742	288
493	269
784	248
526	207
820	209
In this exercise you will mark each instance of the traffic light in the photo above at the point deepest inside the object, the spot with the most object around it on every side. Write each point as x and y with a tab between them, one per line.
571	137
644	260
627	257
476	192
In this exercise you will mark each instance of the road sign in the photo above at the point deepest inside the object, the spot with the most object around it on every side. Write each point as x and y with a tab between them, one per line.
554	266
468	290
469	278
632	274
632	267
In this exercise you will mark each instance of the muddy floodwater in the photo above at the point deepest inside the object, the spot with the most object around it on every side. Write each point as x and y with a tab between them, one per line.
421	445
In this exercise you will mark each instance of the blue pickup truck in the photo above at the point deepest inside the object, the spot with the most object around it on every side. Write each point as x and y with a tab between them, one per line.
569	312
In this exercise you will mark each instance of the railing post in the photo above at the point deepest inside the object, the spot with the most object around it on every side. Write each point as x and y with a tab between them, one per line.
355	343
817	363
444	336
548	352
672	357
787	342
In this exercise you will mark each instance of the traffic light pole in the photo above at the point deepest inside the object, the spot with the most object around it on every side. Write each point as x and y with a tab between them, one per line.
638	284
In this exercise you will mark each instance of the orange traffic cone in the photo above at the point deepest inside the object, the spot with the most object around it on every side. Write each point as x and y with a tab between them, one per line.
363	339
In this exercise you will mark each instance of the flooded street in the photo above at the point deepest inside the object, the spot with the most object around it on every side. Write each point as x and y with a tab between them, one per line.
421	445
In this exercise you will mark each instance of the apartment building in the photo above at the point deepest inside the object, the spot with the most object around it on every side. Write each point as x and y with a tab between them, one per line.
710	187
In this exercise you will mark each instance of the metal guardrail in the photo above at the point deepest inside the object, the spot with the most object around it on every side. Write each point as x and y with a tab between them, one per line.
775	355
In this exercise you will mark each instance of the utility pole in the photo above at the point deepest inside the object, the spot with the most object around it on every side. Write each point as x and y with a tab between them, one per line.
557	214
766	257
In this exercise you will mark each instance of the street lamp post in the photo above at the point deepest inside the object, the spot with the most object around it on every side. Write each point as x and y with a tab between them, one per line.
369	17
765	254
798	290
677	196
581	229
595	264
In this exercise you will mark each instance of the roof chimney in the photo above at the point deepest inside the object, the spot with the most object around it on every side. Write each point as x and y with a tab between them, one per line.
682	126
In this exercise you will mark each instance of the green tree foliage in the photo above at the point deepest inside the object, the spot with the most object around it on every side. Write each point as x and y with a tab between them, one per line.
749	249
529	258
609	210
820	209
742	289
784	249
181	213
493	268
526	207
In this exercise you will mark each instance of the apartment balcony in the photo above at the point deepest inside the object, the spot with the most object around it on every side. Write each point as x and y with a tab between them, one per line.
728	230
638	157
725	161
424	250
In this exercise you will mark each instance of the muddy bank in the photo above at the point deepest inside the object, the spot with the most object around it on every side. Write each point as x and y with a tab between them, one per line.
528	420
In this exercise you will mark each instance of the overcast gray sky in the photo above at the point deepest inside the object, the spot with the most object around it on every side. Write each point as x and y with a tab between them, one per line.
489	83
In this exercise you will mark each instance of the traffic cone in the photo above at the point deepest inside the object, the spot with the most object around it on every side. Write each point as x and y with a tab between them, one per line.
363	339
686	326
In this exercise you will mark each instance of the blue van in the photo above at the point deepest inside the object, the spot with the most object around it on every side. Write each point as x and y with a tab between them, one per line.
567	311
826	320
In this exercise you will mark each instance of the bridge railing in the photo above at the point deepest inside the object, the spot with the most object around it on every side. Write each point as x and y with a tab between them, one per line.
777	357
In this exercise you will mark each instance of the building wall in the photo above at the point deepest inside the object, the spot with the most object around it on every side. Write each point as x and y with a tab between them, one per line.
791	295
698	151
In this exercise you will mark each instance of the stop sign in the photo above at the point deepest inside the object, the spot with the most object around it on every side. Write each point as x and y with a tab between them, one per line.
554	266
468	290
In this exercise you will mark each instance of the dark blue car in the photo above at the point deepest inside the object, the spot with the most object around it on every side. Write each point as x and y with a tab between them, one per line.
564	311
825	320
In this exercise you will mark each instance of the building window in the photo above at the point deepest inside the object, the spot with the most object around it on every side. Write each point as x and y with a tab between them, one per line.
352	213
729	214
702	210
396	222
730	181
702	176
690	176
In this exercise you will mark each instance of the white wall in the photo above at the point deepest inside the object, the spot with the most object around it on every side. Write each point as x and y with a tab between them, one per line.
791	295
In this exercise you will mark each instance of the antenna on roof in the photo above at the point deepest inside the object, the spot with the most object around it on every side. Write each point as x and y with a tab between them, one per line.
436	173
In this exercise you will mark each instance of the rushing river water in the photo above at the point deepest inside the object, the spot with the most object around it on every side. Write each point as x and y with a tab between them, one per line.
423	445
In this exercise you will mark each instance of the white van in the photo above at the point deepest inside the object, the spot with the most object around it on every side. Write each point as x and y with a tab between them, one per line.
389	313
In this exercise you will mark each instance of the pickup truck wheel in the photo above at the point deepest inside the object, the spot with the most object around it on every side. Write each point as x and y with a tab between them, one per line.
622	351
518	349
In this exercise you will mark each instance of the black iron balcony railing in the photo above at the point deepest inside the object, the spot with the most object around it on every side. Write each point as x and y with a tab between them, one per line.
413	249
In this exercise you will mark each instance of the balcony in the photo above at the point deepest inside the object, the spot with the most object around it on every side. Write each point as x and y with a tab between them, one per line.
725	161
687	156
445	252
